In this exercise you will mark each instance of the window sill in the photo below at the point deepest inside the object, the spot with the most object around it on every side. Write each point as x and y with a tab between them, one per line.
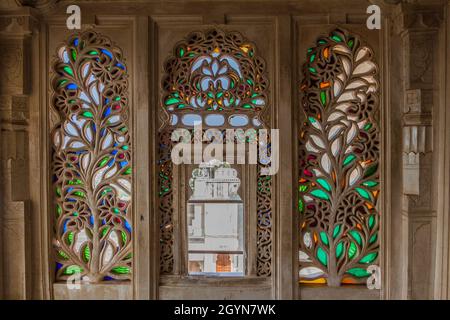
347	292
176	280
214	288
114	290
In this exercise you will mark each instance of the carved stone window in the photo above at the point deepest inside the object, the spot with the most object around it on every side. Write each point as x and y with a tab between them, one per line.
91	171
339	162
217	79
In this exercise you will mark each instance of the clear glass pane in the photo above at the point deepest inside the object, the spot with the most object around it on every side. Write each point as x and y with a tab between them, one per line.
215	217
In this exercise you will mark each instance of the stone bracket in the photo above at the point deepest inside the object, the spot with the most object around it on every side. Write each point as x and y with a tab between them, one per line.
417	140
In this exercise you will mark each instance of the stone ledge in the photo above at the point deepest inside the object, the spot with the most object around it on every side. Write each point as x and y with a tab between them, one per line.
103	291
349	292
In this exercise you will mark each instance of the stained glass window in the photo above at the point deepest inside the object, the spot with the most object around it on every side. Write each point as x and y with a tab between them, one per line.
339	181
91	164
217	79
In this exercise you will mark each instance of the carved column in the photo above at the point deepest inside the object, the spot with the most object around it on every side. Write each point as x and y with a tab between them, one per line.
15	32
419	30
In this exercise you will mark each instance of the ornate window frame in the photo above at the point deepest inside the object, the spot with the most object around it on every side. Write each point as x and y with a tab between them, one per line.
210	41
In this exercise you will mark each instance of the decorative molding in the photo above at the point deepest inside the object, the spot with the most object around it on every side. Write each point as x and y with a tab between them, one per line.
417	125
14	110
418	24
11	65
421	231
15	267
10	4
180	97
419	39
43	5
411	16
417	145
18	25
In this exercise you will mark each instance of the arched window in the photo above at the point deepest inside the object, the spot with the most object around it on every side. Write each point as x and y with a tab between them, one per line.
217	79
339	162
91	171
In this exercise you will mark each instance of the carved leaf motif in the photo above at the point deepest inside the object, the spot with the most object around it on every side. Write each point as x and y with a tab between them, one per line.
339	164
91	160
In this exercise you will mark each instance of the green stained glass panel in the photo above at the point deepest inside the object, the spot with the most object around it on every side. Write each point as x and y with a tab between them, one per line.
121	270
70	270
349	159
320	194
358	272
322	256
363	193
324	184
370	184
323	97
339	250
369	258
336	231
87	254
68	70
324	238
356	235
371	221
352	249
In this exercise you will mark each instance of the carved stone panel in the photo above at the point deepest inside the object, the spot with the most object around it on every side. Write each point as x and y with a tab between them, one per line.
421	237
417	146
11	65
421	74
14	265
421	59
14	116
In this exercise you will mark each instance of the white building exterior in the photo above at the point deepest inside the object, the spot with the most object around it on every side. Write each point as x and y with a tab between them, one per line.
215	221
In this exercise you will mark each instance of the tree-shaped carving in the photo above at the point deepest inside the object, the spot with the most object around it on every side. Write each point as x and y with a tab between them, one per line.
91	160
339	155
